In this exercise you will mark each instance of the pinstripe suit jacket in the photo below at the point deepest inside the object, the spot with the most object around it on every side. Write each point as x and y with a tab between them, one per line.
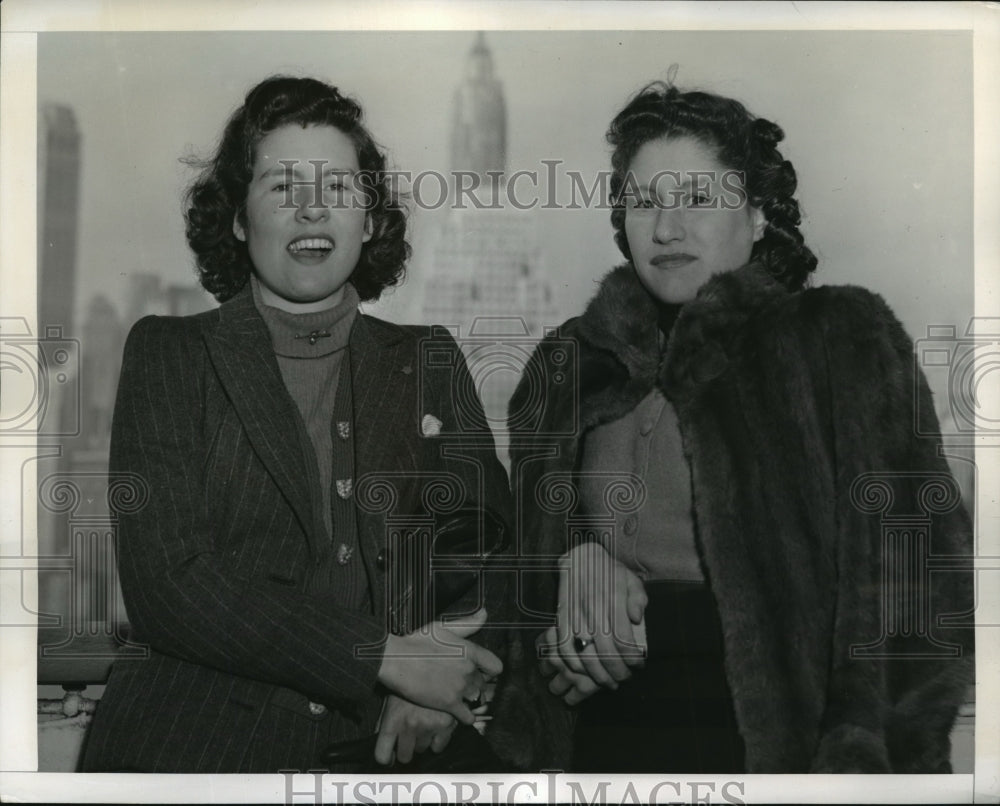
224	569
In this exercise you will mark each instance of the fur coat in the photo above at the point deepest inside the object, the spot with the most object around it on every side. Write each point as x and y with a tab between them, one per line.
809	488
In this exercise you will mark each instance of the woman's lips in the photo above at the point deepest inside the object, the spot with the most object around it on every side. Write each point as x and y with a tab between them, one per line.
674	261
310	249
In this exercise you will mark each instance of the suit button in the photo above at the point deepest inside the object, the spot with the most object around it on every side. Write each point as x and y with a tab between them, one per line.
317	709
380	560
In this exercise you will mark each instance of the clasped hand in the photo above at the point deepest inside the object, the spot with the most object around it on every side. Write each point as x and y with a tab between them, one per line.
435	674
602	603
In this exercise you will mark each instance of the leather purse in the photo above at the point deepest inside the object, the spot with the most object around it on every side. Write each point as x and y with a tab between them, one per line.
429	573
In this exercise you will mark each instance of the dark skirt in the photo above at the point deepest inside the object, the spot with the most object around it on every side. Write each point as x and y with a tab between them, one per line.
676	714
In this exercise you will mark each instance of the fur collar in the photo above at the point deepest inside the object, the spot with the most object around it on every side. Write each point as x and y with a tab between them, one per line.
622	319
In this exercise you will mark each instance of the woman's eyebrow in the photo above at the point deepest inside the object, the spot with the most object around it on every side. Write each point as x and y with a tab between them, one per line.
655	184
303	170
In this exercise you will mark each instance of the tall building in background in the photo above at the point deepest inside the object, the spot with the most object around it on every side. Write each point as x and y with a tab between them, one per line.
58	211
484	275
58	214
79	363
479	118
103	339
148	295
59	361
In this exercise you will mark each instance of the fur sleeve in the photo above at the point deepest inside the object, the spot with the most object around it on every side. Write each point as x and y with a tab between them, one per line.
899	671
532	728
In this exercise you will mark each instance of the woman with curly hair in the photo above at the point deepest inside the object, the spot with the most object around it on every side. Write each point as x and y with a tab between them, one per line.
283	440
703	475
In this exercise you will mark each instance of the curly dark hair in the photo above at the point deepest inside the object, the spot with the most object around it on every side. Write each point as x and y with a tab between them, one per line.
742	142
220	191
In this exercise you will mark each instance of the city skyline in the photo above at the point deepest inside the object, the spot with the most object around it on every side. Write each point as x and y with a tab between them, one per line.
908	216
861	111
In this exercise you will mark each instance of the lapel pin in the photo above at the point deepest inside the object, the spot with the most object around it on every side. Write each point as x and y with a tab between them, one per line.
430	426
344	429
344	553
344	487
407	369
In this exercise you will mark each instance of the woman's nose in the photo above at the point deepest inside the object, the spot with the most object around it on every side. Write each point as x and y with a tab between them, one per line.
669	224
309	204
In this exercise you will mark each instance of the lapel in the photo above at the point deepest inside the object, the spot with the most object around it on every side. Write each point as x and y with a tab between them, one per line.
619	324
239	346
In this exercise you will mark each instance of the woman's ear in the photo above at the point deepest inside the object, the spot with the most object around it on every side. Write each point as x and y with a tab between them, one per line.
369	229
238	229
759	222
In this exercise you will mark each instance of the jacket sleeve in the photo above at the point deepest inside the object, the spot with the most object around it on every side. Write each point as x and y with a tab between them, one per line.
901	665
182	597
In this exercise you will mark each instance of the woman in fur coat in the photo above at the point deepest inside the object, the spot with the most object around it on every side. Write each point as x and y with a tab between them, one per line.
721	470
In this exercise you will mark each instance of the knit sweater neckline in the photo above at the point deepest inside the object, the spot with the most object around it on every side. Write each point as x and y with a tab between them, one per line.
290	331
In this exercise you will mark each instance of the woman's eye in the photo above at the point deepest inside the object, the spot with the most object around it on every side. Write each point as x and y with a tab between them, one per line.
281	187
644	204
700	200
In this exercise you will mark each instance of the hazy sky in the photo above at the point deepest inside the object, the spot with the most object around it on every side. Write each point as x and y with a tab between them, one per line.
878	125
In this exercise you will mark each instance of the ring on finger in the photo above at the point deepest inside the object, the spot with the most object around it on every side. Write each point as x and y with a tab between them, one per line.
580	643
474	702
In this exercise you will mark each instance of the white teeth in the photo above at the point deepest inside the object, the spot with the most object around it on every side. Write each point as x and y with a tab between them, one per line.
310	243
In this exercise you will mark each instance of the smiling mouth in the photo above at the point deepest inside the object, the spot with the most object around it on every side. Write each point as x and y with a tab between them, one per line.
310	248
674	261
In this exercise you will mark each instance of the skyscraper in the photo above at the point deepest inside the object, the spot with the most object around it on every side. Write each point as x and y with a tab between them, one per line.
484	272
58	211
479	117
59	424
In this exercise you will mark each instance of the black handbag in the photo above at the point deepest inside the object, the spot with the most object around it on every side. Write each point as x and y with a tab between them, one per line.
427	575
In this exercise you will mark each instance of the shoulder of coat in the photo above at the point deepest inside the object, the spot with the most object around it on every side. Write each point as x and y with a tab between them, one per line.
848	312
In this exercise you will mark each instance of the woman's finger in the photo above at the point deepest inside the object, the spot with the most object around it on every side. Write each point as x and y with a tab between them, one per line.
567	619
625	642
385	744
441	738
560	684
594	668
422	741
581	691
472	694
404	746
462	712
607	653
486	662
636	598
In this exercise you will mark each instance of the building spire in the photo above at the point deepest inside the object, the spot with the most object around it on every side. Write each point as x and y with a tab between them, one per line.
479	116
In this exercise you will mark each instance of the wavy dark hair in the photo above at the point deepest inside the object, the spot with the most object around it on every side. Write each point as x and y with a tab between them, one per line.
741	142
220	191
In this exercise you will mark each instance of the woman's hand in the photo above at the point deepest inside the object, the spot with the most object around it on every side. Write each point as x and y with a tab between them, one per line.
439	669
599	602
407	728
573	688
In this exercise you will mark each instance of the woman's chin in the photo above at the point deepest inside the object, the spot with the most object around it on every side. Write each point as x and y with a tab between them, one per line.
674	291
